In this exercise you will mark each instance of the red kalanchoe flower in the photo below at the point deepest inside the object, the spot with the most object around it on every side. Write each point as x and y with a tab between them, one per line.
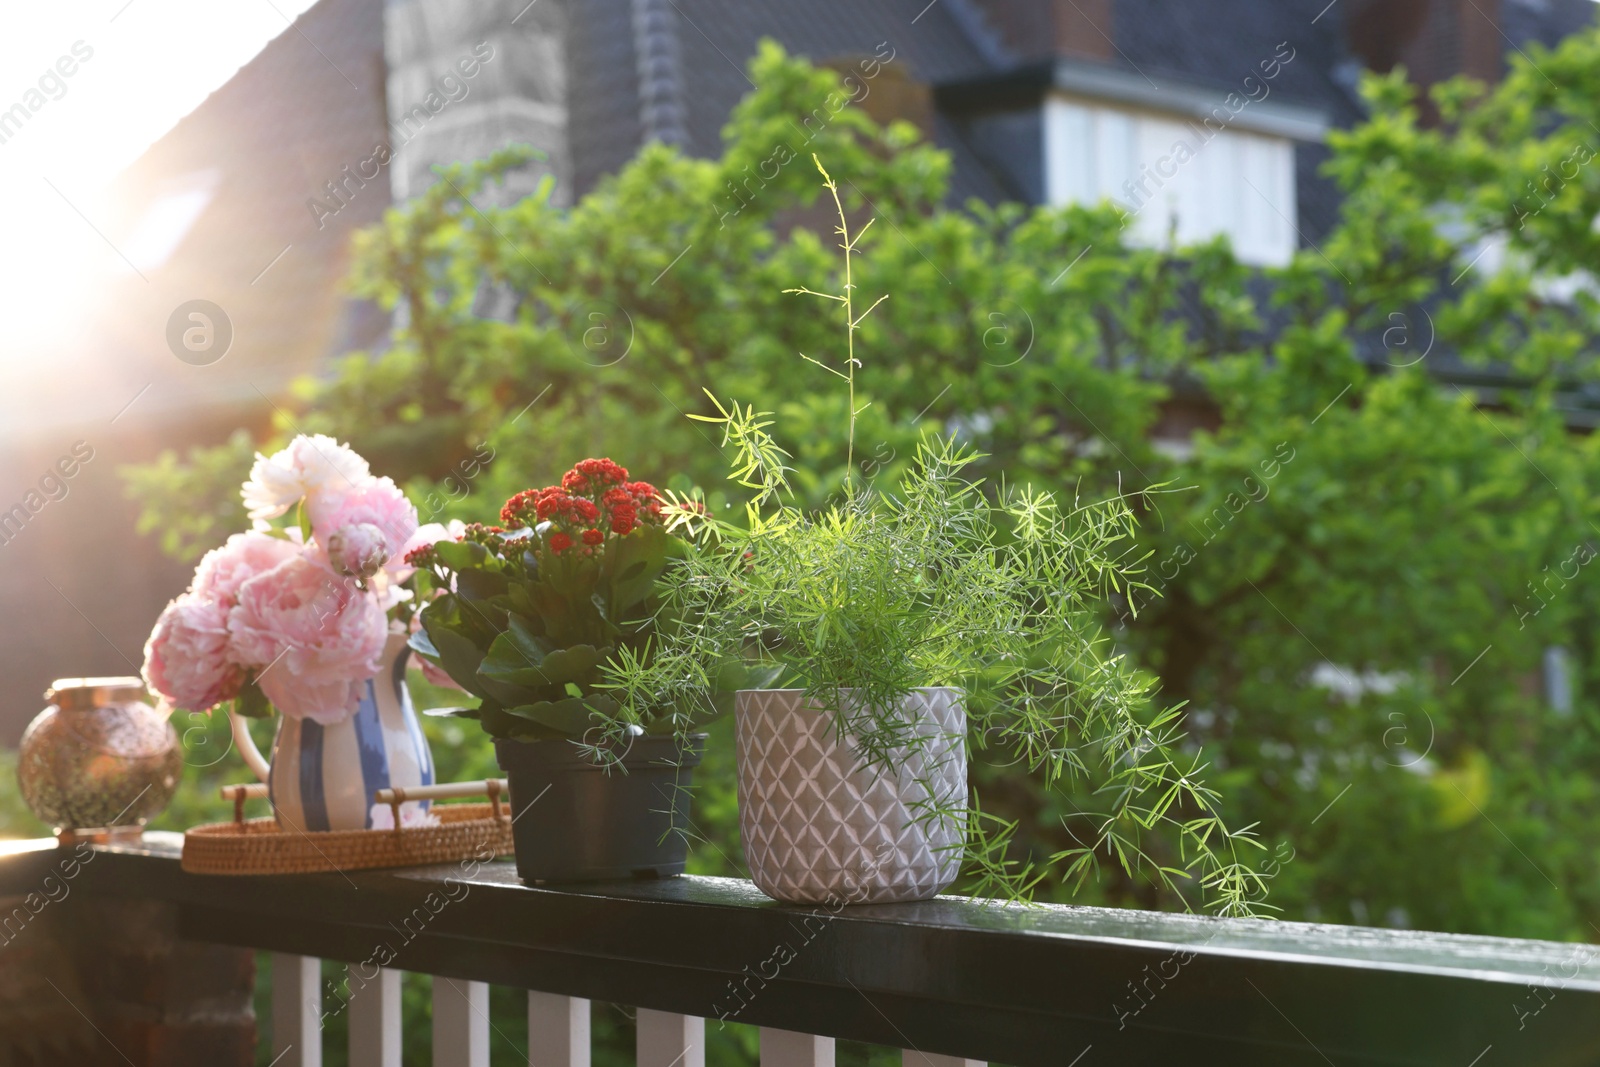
549	502
574	482
602	471
623	519
488	536
593	537
518	508
560	541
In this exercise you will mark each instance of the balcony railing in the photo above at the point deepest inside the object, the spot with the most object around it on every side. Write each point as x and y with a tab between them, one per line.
947	980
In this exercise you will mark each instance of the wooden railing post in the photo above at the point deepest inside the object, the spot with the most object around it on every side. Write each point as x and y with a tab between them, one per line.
460	1023
374	1017
912	1058
668	1040
785	1048
296	1011
558	1030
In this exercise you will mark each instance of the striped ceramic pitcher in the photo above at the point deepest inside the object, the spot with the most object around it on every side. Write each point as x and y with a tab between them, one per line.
324	777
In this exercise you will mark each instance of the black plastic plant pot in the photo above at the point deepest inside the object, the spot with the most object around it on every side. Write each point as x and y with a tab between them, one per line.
577	822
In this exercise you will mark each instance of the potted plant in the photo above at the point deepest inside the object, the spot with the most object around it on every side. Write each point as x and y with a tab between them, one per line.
307	614
920	623
528	616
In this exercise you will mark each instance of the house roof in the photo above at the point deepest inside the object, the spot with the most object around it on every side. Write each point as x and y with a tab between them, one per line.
1182	96
1221	42
714	40
222	202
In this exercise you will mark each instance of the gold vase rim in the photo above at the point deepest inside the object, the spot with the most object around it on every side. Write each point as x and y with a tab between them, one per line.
77	693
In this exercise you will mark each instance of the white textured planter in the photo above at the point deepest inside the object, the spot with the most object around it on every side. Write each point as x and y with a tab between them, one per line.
821	827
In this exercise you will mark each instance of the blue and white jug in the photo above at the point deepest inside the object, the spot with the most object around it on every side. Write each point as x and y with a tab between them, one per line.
324	777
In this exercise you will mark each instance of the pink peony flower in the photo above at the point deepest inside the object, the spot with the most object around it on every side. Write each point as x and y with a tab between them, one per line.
186	658
376	502
309	468
314	636
358	551
223	570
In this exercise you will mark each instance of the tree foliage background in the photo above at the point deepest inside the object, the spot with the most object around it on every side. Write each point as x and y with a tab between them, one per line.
1365	567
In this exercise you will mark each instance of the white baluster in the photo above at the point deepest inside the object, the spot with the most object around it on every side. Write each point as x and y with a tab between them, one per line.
669	1040
558	1031
785	1048
460	1023
374	1016
296	1011
910	1058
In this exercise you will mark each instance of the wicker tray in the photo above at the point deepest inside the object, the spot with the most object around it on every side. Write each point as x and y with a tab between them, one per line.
259	846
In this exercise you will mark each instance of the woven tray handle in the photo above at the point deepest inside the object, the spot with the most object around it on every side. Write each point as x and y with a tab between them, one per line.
241	793
493	788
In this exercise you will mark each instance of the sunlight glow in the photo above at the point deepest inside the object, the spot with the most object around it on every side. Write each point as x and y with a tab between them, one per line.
84	90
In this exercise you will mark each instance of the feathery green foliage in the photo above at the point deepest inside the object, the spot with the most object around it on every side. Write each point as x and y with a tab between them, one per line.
932	583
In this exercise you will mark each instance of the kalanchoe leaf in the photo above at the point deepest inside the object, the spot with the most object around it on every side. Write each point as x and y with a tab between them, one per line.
480	584
454	713
462	556
572	716
498	724
475	621
521	600
633	564
422	645
523	730
519	659
457	655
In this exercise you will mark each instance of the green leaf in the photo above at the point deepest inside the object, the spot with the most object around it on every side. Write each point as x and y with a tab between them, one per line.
633	564
454	713
457	655
461	556
480	585
422	645
572	716
511	660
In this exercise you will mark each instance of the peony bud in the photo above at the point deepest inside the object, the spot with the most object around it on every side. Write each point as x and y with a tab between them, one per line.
359	550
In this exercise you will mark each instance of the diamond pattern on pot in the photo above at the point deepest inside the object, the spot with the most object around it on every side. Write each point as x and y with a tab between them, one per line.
820	826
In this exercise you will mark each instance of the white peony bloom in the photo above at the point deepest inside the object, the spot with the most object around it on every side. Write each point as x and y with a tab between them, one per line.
309	467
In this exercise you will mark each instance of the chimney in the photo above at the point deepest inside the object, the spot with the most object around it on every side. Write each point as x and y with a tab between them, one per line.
1433	39
1044	29
498	67
1084	30
1482	46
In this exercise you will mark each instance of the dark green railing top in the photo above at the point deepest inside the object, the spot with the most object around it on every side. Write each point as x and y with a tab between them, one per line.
1042	985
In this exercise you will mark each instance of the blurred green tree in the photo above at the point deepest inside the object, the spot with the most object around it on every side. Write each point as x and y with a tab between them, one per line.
1367	566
